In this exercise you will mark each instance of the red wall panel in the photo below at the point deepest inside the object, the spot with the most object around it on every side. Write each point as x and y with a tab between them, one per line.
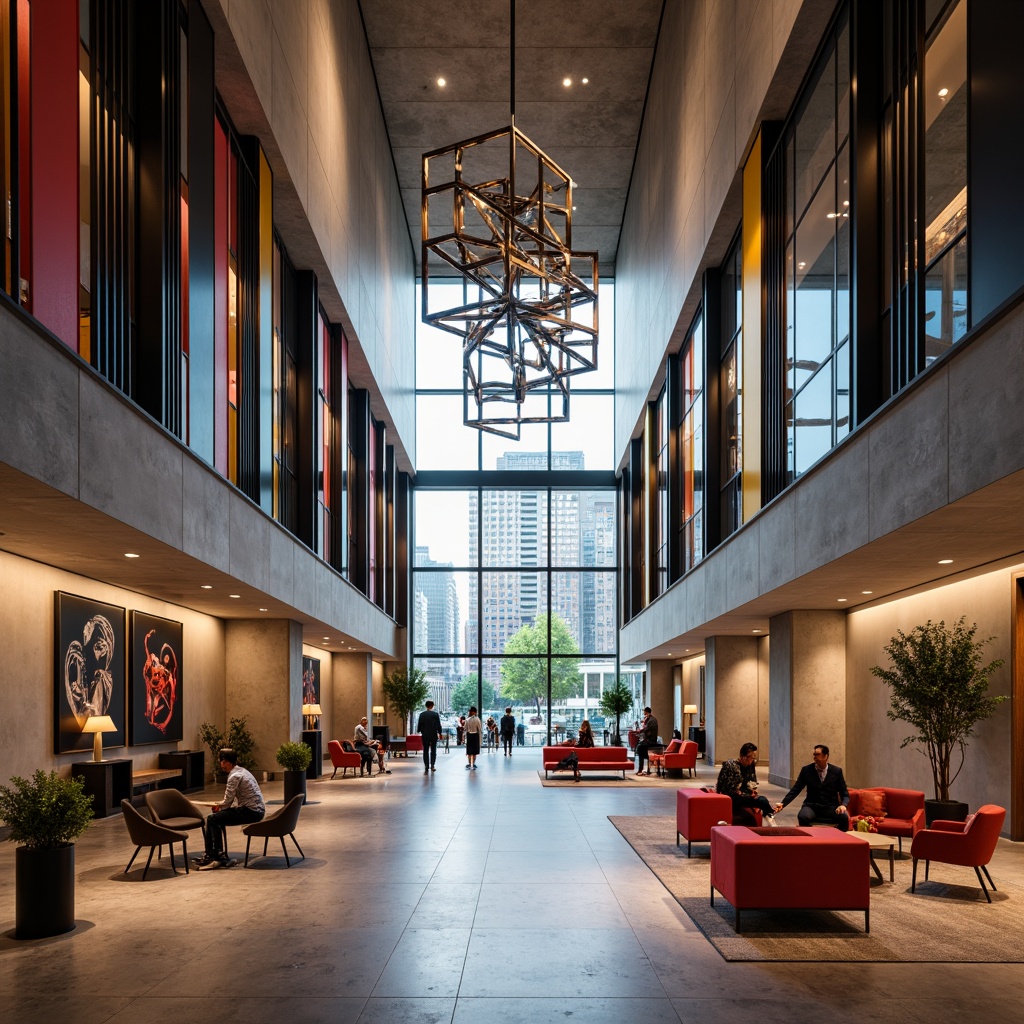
220	300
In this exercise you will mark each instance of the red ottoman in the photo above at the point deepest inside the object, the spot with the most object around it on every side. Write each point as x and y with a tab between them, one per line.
790	868
697	812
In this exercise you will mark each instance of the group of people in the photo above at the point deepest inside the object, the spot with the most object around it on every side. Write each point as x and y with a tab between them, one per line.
826	800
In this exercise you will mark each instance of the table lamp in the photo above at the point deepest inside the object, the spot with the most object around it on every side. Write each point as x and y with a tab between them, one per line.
98	725
312	713
689	710
378	713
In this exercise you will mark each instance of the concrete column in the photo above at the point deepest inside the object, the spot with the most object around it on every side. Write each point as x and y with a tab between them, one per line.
263	682
660	695
736	692
808	690
353	694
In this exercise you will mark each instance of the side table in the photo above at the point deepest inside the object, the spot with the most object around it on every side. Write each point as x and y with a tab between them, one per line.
107	782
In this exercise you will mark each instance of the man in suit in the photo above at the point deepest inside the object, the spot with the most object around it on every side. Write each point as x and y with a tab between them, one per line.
648	739
507	729
428	725
827	795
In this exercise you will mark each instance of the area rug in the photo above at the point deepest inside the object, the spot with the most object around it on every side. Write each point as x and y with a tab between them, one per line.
945	921
557	779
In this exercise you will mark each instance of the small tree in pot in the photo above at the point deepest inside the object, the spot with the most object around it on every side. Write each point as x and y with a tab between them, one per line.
940	687
406	690
46	815
294	758
617	700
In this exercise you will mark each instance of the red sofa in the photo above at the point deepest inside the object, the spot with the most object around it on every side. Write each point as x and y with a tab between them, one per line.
790	869
904	811
591	759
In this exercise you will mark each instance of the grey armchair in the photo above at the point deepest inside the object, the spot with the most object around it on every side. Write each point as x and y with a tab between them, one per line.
147	833
281	823
172	809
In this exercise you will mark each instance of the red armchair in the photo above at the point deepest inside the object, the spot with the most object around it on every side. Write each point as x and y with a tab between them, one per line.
685	759
414	743
904	811
343	759
970	843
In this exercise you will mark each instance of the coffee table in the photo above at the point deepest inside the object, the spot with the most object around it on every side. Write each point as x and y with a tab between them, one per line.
877	842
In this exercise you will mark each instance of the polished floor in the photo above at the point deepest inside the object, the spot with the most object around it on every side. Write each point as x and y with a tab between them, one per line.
455	897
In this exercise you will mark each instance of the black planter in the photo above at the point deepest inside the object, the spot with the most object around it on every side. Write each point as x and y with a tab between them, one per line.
944	810
294	783
44	883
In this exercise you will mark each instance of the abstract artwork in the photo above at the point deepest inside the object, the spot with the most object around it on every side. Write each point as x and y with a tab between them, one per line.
89	670
310	680
155	708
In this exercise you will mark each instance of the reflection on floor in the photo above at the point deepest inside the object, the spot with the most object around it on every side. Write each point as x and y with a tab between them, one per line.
453	897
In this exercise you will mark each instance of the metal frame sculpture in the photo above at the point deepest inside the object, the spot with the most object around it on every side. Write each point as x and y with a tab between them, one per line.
529	319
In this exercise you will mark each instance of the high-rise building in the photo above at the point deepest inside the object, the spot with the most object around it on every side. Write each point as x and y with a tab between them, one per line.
438	625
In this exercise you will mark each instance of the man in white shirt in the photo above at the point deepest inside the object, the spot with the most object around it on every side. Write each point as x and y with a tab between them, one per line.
242	791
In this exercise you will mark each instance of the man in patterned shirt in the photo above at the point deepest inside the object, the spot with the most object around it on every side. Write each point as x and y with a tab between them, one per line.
243	791
738	780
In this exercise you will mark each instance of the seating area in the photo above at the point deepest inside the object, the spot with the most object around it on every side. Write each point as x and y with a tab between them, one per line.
590	759
677	757
969	843
277	825
144	832
901	810
344	759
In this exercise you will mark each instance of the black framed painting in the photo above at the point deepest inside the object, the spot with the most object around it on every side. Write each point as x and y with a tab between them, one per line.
310	680
89	671
155	680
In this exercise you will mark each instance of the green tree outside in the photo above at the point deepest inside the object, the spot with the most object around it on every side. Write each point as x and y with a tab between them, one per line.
405	690
464	695
524	679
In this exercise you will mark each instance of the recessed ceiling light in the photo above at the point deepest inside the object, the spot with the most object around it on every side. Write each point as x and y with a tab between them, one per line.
441	83
206	586
867	591
801	264
945	561
130	554
757	631
567	82
263	609
585	81
235	596
943	92
841	599
327	638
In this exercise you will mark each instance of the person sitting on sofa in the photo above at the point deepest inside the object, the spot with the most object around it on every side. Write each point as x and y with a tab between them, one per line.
737	779
827	795
586	736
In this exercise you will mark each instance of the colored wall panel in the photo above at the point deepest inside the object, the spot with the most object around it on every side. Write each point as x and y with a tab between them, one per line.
752	347
220	300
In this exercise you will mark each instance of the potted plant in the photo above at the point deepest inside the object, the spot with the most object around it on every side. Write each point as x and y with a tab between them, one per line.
294	758
213	738
617	700
238	739
940	688
406	690
46	815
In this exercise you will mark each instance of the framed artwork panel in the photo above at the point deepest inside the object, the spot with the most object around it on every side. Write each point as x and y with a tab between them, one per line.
310	680
154	708
89	671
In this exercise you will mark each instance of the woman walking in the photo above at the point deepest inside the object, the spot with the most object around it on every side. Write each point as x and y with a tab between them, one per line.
473	729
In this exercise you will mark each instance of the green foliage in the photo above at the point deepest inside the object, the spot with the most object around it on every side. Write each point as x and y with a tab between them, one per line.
405	690
294	757
465	694
238	739
47	812
525	680
617	700
940	688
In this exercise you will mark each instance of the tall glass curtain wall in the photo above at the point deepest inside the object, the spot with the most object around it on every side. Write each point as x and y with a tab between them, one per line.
116	145
515	564
865	260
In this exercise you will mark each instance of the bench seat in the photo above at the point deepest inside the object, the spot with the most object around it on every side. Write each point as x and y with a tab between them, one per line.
591	759
144	778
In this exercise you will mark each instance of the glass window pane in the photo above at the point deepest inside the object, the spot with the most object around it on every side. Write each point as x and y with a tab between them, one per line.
842	392
444	602
843	83
604	375
529	453
589	431
815	281
814	419
510	601
442	440
945	302
586	603
514	527
445	529
438	352
815	144
842	245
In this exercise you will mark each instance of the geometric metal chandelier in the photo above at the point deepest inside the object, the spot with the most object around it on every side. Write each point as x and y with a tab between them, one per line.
498	210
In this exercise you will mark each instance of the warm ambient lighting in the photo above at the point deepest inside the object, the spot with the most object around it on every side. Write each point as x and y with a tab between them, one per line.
943	92
567	82
945	561
263	609
585	81
98	725
689	710
867	591
441	82
206	586
757	631
841	599
236	596
129	554
378	714
312	713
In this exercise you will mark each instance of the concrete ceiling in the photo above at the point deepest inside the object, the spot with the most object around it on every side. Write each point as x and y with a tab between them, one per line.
590	130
